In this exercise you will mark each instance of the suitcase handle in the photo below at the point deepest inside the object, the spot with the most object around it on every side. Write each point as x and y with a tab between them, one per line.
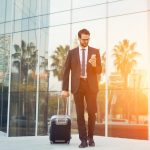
58	104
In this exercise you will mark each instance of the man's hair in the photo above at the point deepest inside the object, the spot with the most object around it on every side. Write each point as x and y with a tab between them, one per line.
83	31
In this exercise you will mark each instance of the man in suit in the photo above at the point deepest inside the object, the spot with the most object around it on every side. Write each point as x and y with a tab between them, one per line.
84	64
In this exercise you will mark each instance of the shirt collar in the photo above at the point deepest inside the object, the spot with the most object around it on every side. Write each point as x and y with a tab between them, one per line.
80	48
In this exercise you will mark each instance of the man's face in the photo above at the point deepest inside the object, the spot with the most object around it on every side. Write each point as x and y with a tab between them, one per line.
84	40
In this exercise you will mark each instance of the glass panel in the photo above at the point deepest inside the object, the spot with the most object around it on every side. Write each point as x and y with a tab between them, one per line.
127	6
32	37
44	21
23	87
3	107
33	7
19	7
9	10
26	9
96	12
4	73
84	3
8	27
45	6
2	10
57	5
38	11
17	25
44	82
59	18
25	36
15	98
55	41
128	74
2	28
25	24
33	23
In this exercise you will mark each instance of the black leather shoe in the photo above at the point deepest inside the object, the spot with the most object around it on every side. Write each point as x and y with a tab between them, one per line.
83	144
91	143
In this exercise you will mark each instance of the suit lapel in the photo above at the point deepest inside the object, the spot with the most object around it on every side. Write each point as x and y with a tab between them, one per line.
77	56
89	55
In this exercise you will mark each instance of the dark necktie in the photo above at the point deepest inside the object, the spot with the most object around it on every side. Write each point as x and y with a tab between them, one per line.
83	63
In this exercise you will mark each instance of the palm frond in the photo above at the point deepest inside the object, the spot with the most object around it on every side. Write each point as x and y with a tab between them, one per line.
125	57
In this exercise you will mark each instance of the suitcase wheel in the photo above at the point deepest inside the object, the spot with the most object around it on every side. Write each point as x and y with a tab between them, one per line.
68	142
51	142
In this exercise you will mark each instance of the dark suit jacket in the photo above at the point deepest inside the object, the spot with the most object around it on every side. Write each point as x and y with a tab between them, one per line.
73	64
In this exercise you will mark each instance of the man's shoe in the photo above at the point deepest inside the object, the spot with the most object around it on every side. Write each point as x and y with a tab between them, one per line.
91	143
83	144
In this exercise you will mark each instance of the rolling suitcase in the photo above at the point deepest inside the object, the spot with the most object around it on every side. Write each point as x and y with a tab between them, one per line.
60	127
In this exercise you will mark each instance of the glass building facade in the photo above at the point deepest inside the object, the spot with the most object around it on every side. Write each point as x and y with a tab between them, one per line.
35	36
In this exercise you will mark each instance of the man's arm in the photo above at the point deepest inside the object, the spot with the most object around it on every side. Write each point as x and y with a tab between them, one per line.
95	62
66	72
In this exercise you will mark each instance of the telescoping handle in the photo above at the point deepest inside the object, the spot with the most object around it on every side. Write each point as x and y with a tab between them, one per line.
58	106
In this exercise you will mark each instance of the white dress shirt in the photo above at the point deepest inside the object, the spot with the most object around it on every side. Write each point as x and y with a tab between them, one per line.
86	56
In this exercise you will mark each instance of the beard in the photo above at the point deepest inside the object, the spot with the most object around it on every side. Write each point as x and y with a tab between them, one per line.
84	44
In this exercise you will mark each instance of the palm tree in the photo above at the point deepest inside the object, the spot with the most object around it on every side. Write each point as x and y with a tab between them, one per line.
58	60
25	59
125	58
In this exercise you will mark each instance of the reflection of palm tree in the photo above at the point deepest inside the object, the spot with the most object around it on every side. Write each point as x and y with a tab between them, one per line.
125	55
25	59
58	60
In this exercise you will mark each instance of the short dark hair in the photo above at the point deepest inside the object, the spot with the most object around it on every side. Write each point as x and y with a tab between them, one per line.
83	31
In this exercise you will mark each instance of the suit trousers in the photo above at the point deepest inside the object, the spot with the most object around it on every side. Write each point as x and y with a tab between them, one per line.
81	97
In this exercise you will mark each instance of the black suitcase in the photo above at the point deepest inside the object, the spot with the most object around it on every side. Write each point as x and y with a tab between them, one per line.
60	128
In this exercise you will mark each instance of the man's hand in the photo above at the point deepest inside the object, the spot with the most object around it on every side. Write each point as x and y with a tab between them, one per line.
64	94
92	60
